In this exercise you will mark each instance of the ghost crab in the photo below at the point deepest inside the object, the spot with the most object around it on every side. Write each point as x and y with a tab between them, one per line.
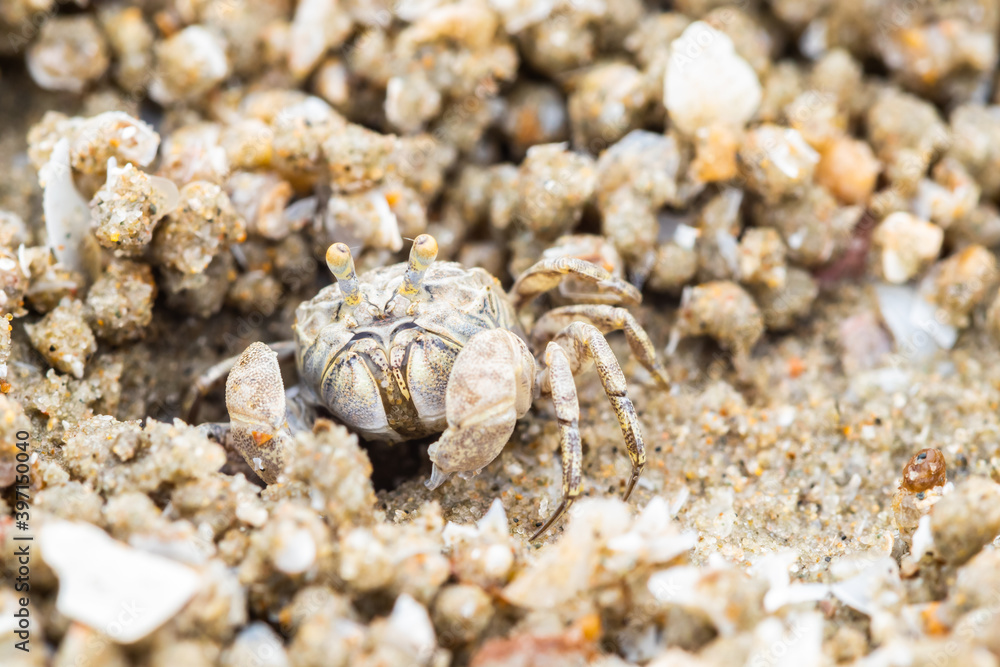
426	347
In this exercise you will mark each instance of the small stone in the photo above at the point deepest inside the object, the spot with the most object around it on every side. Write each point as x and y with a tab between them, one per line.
716	149
120	302
112	134
553	186
722	310
961	282
318	25
362	219
762	258
536	114
975	130
707	82
194	153
126	209
863	341
63	338
261	198
673	268
609	101
13	231
131	39
783	307
331	462
921	487
967	519
848	169
907	245
776	161
410	625
83	646
203	225
461	613
69	54
255	292
188	64
816	230
951	196
648	163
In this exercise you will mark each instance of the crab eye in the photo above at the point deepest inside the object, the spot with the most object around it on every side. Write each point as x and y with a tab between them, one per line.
422	254
341	263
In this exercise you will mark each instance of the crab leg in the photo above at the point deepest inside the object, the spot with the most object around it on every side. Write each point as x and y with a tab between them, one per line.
606	319
548	273
581	343
567	407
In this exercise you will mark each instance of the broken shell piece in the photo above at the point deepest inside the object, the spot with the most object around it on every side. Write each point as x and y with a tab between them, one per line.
101	579
67	214
916	326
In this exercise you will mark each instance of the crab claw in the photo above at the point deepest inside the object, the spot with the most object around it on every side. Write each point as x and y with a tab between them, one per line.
255	399
437	477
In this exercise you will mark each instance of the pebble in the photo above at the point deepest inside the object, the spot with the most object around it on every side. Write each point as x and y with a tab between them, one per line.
69	54
188	64
848	168
961	282
707	82
966	520
907	245
553	186
722	310
609	100
461	613
64	338
776	161
125	210
120	302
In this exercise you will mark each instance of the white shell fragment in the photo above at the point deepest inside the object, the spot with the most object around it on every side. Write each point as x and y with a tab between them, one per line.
67	213
411	628
914	323
707	82
123	592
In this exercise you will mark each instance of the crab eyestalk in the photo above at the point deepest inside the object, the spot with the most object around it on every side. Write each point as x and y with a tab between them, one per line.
338	258
423	252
